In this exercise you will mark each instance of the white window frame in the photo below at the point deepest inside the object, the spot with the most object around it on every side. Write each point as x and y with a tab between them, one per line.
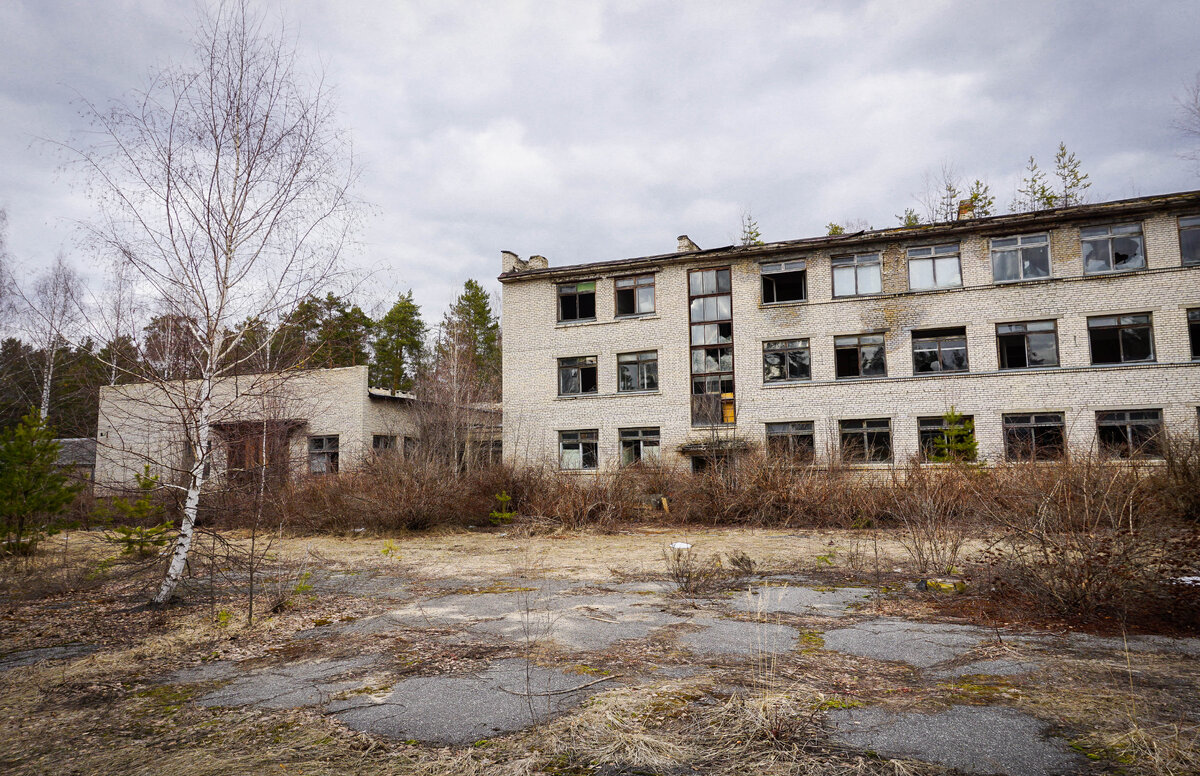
863	266
940	258
1018	244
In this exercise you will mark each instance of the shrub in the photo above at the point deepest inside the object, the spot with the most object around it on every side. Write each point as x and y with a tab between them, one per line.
34	491
935	509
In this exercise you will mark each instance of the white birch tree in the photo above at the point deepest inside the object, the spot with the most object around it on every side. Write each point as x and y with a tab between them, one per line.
224	187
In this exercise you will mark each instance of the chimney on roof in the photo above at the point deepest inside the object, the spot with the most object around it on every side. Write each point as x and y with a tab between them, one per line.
966	209
537	262
686	245
511	262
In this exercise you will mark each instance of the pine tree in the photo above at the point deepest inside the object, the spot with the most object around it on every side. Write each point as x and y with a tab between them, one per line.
326	333
947	206
471	324
957	441
833	230
981	199
750	233
399	346
1034	193
1074	183
909	218
34	491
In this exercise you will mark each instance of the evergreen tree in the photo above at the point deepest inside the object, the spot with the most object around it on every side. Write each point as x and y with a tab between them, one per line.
474	327
1073	183
957	442
981	199
325	333
909	218
399	346
750	233
34	492
947	206
833	230
1034	193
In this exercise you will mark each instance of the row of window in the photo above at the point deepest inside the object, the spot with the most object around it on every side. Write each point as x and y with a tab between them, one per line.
1105	249
1027	437
1112	339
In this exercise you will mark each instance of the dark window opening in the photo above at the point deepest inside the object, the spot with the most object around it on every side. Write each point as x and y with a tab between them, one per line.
786	361
941	441
866	441
637	371
639	445
1130	433
577	301
940	350
1189	240
1027	345
384	443
578	449
784	282
1034	437
859	356
577	376
1194	332
323	454
1119	339
792	441
635	295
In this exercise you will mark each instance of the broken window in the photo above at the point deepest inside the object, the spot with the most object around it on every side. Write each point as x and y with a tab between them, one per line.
793	440
1189	240
940	350
1114	248
577	301
711	314
934	266
1025	257
323	454
784	282
384	443
637	371
866	441
638	445
1028	344
578	449
635	295
1034	436
577	375
1194	332
1119	339
856	275
1130	433
935	437
859	356
786	361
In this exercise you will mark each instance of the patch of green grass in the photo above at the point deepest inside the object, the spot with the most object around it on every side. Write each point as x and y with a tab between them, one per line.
837	703
167	698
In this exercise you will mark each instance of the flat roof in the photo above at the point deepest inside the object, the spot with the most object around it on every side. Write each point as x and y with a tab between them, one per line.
989	225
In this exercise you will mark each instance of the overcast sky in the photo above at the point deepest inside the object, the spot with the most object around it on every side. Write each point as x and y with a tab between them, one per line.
589	131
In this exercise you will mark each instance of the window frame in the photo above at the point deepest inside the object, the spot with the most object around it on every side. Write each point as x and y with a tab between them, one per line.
579	364
940	336
1018	247
927	430
638	439
936	253
798	345
857	347
1129	450
1001	359
641	366
1108	238
319	449
858	261
561	293
1193	324
385	444
703	408
1119	327
791	431
787	267
1011	422
846	429
1192	226
584	438
634	284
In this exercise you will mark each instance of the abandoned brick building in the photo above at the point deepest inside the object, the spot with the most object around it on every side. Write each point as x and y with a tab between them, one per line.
1070	328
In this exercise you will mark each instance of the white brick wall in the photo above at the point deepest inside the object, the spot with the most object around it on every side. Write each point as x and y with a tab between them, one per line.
534	340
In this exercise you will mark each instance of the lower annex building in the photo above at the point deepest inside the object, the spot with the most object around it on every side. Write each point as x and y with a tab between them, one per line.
1070	328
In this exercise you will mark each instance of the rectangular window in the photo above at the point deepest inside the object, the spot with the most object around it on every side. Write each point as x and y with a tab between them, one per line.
635	295
934	266
577	375
856	275
1034	437
792	441
784	281
1120	339
637	371
786	361
578	449
577	301
639	445
1025	257
384	443
866	441
943	443
1194	332
940	350
1189	240
1130	433
710	304
323	454
1027	345
1115	248
859	356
